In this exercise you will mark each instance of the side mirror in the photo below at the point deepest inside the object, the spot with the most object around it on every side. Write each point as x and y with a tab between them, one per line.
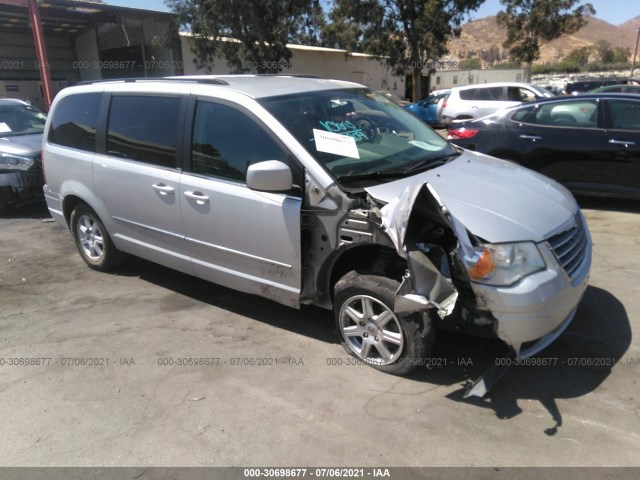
269	176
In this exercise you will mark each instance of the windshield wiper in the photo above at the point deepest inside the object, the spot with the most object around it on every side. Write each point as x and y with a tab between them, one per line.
372	176
432	162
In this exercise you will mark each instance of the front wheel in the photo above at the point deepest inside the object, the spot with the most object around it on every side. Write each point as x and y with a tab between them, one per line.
93	241
372	332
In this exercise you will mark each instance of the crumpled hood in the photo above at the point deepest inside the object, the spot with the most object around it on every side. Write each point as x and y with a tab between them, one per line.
24	145
494	199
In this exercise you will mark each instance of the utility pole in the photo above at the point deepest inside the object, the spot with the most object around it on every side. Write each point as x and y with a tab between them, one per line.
633	64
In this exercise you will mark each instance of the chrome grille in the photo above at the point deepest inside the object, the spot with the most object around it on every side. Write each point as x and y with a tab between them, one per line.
570	246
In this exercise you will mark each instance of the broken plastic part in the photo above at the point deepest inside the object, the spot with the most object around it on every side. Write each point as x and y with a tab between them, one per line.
486	381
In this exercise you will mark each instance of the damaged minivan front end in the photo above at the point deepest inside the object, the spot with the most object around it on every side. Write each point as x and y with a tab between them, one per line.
412	233
523	291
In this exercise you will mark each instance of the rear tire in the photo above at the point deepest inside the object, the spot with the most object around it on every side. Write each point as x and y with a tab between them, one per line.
93	241
372	332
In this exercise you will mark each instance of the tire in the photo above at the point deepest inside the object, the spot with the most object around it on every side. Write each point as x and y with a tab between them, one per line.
92	240
4	208
363	310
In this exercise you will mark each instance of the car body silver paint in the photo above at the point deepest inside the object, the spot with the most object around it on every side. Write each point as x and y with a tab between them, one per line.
496	200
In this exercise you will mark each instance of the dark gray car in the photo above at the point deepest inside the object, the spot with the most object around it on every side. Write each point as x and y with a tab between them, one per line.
21	127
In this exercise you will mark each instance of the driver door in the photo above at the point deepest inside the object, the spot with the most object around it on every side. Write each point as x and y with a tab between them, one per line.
238	237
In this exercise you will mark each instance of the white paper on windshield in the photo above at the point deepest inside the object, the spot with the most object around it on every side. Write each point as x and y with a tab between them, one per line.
4	128
335	143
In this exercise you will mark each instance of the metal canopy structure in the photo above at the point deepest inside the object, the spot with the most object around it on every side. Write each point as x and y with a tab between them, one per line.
63	18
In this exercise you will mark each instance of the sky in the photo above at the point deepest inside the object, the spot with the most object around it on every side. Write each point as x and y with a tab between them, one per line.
612	11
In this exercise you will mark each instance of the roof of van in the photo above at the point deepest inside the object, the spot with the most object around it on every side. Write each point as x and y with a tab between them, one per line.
255	86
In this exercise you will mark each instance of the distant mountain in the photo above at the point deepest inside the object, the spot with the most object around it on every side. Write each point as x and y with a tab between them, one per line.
483	39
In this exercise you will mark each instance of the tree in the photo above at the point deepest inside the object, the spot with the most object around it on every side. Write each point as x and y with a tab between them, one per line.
531	23
470	64
408	34
579	56
621	54
251	36
604	51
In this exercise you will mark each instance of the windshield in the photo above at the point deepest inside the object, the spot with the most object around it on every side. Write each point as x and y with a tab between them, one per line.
358	134
20	120
542	92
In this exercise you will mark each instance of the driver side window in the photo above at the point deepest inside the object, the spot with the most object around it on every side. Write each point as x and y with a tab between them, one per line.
226	141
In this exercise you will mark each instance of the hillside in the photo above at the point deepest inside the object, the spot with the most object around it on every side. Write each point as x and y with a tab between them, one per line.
483	39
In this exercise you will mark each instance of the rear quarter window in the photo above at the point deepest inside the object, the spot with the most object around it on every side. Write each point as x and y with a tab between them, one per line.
74	121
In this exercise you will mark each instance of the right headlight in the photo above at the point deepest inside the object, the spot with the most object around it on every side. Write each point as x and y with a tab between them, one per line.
15	162
504	264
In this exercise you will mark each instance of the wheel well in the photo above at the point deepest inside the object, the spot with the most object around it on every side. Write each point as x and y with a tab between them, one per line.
70	202
372	258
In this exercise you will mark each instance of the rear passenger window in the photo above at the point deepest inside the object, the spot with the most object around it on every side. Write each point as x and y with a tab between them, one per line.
74	121
578	113
226	142
489	94
144	128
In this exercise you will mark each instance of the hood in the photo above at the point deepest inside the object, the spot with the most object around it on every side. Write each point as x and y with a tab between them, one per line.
495	200
24	145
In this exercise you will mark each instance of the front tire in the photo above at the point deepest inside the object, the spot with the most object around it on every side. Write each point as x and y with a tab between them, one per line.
372	332
93	241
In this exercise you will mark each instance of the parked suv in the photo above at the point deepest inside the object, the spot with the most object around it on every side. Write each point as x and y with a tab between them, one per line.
475	101
311	191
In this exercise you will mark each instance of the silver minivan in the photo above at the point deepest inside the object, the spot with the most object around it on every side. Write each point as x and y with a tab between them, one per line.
313	191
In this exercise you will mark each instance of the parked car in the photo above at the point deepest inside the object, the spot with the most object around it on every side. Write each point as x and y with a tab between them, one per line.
394	98
265	185
475	101
625	88
586	84
589	143
21	127
429	109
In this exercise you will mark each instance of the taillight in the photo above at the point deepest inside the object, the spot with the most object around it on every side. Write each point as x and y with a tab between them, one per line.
461	133
444	102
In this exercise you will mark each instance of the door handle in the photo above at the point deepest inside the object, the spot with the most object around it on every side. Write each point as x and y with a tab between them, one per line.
530	137
163	189
199	197
626	143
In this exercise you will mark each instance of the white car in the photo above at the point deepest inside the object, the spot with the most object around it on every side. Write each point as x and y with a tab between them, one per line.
475	101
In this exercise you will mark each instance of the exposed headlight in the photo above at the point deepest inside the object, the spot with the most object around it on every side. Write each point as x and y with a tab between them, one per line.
504	264
15	162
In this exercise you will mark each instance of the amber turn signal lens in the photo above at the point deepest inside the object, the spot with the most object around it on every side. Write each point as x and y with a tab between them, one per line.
484	267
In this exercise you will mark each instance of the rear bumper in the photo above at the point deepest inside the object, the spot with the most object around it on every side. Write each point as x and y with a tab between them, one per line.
54	204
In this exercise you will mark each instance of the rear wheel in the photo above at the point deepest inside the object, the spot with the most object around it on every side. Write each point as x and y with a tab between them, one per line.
372	332
93	241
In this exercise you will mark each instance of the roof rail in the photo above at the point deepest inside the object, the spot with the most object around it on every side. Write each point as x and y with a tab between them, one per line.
210	81
298	75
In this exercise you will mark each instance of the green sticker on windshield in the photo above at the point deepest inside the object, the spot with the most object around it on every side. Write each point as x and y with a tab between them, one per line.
430	147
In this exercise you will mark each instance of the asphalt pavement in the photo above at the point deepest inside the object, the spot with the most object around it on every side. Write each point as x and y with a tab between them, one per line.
150	367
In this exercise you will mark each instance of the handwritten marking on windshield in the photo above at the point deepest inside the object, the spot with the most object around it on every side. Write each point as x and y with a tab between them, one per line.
345	128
